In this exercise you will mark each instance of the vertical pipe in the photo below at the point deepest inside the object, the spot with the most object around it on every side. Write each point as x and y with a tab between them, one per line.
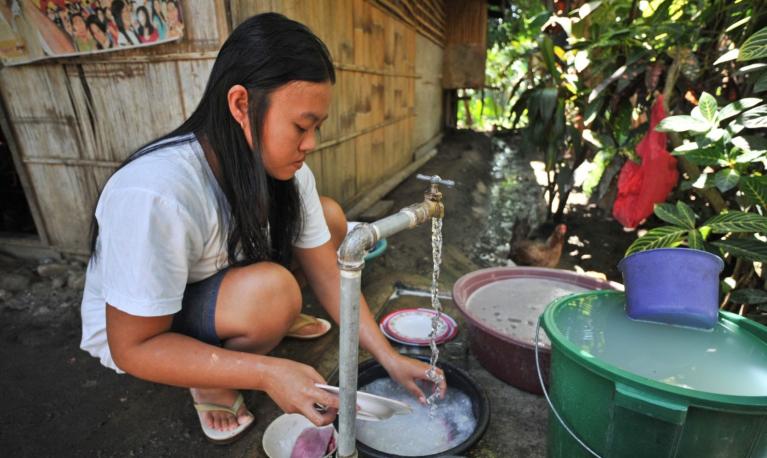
348	355
351	261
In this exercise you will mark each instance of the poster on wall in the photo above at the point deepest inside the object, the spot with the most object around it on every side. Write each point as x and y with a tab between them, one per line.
31	30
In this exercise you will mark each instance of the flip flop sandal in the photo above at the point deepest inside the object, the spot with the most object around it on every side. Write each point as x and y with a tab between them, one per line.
304	320
223	437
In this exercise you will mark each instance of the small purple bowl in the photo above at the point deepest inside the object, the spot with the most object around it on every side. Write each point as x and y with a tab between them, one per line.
678	286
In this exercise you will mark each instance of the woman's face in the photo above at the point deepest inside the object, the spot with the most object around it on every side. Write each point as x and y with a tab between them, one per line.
172	13
142	18
98	34
126	17
291	126
78	23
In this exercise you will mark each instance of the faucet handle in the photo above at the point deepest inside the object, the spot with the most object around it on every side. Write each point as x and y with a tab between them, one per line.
436	179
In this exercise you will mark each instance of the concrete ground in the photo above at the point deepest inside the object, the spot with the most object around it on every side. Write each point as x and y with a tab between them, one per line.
59	401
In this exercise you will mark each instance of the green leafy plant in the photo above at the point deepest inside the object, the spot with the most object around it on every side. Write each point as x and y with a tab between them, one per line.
737	230
729	155
726	147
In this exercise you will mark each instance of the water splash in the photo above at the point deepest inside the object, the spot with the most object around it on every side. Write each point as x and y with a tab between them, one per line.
436	252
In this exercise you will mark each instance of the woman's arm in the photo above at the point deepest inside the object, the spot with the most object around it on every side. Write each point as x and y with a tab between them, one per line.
322	272
146	348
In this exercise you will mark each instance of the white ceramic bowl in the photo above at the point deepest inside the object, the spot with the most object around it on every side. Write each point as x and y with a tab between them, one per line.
281	434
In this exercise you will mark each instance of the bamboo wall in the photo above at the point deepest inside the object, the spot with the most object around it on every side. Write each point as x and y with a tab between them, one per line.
74	120
465	44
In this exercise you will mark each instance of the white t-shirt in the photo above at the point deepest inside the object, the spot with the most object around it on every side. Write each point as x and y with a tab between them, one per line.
162	224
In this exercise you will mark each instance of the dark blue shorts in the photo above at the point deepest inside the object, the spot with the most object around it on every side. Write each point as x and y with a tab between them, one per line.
197	317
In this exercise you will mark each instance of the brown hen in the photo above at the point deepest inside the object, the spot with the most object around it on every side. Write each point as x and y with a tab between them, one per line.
538	253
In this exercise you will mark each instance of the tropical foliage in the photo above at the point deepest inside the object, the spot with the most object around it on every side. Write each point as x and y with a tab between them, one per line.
578	79
726	152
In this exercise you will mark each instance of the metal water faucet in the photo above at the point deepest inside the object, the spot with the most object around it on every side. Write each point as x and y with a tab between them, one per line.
351	262
433	194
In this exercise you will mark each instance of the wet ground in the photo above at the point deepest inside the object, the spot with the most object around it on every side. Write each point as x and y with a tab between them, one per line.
58	401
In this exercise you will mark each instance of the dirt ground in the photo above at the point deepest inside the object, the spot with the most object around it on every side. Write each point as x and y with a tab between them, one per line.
58	401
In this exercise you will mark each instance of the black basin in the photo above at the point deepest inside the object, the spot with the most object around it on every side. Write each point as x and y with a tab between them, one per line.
457	379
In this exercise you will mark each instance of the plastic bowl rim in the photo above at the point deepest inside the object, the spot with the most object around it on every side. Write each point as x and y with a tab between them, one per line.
614	373
719	261
473	321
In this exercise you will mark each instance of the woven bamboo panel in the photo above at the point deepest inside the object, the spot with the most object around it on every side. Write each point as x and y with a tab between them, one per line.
314	161
125	105
398	137
193	76
466	44
427	17
428	91
339	171
371	158
65	195
40	111
75	119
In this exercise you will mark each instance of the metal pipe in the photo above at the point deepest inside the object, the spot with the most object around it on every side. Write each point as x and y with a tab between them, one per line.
351	256
348	355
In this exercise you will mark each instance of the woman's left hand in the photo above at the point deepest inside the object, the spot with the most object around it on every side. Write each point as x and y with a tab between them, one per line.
406	371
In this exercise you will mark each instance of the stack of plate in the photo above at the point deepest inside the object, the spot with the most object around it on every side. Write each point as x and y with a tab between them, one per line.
413	326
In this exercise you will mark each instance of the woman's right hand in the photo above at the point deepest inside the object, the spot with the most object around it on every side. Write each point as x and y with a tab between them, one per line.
291	386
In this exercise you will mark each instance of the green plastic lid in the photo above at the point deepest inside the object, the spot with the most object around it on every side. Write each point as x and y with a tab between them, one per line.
725	365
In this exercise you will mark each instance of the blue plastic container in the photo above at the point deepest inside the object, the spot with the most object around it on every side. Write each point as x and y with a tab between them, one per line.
678	286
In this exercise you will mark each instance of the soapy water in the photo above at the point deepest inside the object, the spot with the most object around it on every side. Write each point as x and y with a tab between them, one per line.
420	432
725	360
512	306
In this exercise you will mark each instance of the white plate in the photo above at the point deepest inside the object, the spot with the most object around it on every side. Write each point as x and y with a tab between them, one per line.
373	407
413	326
281	434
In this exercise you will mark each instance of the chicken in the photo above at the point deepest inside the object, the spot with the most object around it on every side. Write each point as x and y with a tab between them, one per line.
538	253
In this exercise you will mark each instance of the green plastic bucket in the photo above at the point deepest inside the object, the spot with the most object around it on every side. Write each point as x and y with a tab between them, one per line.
625	388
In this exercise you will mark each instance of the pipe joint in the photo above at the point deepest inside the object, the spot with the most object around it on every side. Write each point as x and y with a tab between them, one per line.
351	254
422	212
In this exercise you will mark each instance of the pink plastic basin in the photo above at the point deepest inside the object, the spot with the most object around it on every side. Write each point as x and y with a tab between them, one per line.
501	306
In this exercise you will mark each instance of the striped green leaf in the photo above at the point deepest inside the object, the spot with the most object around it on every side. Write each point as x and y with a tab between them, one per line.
755	47
669	214
659	237
749	296
750	249
695	239
737	221
708	106
686	213
755	189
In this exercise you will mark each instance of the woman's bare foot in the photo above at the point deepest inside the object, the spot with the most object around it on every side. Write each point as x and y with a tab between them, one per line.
221	420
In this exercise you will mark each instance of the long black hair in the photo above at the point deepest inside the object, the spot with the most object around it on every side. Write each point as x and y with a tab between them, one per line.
263	53
148	27
117	14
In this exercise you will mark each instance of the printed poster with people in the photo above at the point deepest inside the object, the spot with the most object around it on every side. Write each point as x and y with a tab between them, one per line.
32	30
